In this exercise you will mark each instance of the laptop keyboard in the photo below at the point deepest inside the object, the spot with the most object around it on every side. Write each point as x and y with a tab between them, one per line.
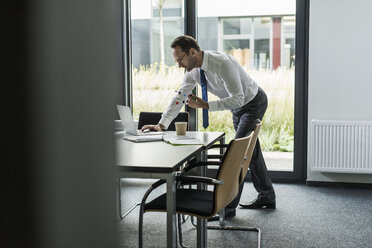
140	133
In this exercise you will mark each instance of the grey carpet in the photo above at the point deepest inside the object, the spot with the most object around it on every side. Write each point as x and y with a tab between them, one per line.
305	217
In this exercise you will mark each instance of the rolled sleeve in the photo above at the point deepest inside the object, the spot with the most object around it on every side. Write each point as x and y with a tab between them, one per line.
165	121
178	101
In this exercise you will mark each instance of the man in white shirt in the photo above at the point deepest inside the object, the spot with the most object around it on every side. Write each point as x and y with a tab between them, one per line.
221	74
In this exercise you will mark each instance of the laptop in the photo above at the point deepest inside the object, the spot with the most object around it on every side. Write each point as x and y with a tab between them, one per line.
132	134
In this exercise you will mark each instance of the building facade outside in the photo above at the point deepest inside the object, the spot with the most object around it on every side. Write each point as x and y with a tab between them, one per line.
260	34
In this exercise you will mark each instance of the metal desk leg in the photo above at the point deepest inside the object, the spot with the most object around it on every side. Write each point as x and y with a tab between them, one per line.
201	223
171	211
222	142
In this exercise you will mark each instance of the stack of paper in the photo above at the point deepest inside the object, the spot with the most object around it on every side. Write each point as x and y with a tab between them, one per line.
182	140
144	138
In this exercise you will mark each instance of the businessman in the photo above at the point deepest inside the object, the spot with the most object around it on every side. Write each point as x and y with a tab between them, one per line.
221	74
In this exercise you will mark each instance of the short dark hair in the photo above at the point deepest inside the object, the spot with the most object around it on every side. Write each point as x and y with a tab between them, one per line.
186	42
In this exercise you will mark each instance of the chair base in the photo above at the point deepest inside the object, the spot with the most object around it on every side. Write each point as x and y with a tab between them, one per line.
222	226
239	228
122	216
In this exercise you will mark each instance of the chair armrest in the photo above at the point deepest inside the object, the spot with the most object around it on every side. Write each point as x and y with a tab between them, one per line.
219	146
157	184
152	187
197	179
215	156
197	164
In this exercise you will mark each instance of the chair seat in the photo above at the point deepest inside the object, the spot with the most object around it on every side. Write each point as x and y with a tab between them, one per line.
197	202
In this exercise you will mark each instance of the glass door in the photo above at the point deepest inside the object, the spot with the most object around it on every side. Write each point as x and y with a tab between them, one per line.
261	36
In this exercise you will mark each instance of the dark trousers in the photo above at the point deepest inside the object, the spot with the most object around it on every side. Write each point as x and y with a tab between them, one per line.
243	119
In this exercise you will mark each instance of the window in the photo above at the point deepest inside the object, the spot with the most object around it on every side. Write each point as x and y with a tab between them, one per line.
262	53
238	26
281	13
236	38
288	58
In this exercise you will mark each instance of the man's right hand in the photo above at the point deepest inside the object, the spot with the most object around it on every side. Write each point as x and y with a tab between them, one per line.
158	127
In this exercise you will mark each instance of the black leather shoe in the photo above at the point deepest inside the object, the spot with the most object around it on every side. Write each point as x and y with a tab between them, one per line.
261	201
229	213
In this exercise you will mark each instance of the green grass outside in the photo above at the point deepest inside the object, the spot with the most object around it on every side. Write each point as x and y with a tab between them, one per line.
153	87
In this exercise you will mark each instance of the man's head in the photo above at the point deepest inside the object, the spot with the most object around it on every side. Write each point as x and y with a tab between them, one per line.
186	52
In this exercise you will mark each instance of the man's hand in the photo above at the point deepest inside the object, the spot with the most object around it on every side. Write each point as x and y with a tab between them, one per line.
197	102
158	127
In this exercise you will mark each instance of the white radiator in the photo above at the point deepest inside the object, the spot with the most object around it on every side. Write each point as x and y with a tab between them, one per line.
341	146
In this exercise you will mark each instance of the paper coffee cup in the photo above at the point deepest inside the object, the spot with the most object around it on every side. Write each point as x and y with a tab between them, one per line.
181	128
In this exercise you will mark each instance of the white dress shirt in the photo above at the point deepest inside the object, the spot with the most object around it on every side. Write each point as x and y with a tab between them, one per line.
225	78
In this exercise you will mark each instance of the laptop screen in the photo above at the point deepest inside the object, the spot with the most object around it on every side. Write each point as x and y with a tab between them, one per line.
126	119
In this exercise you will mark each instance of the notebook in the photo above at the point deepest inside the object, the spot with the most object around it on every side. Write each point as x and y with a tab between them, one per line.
132	134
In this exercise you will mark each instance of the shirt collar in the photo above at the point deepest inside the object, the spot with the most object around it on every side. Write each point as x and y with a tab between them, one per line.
204	65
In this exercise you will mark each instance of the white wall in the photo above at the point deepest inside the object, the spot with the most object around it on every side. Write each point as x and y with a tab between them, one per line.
340	83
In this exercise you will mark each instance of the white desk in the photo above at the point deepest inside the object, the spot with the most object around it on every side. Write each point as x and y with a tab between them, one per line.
161	161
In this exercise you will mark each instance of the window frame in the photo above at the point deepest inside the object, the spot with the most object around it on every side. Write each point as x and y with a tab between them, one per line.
301	80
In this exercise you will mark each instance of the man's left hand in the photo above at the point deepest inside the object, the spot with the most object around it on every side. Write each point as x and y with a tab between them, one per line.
197	102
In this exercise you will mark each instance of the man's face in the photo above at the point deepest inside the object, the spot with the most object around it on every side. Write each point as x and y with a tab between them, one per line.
184	60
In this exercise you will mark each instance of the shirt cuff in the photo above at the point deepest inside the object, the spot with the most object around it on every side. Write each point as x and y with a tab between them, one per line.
165	122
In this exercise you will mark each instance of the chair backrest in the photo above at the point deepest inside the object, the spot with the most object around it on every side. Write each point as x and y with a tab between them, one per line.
229	172
250	149
153	118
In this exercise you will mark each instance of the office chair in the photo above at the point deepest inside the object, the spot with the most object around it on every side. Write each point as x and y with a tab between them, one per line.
153	118
191	170
198	202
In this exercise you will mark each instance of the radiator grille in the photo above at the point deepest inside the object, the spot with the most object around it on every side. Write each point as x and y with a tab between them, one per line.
341	146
